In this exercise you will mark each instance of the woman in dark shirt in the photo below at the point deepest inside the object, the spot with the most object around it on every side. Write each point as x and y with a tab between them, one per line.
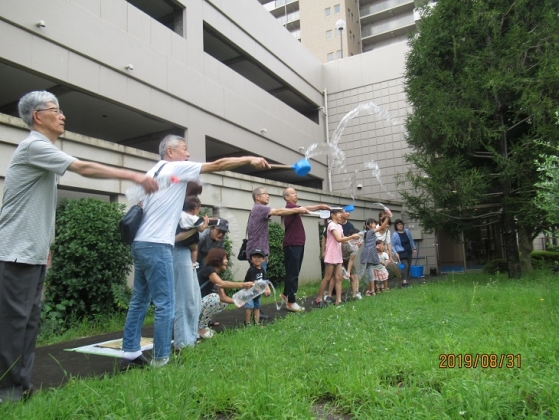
214	299
404	245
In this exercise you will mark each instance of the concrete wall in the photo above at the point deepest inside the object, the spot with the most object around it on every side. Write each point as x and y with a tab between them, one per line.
374	77
229	194
86	45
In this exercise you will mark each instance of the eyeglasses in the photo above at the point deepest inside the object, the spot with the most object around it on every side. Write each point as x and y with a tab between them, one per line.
55	109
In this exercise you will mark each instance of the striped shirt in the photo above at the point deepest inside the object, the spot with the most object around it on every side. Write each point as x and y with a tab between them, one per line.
29	201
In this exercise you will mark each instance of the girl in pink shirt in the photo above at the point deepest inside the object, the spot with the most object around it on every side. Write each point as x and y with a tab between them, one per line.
333	255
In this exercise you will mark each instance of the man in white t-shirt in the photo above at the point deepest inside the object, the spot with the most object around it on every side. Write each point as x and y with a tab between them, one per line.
26	228
152	249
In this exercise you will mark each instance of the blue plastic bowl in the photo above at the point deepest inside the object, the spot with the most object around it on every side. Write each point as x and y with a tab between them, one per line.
401	266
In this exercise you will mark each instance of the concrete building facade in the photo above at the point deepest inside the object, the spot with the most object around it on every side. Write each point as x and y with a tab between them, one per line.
230	79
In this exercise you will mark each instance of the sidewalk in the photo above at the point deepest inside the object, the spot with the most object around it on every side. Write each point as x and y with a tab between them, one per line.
54	366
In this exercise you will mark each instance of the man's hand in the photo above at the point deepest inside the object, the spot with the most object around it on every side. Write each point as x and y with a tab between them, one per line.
259	163
303	210
247	285
149	184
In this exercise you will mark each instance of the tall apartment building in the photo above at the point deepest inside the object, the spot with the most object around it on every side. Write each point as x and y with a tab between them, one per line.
370	24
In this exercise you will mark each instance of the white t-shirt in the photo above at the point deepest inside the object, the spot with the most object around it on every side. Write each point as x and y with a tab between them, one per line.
162	210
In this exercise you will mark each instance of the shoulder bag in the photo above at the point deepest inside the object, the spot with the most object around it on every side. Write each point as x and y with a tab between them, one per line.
130	223
242	255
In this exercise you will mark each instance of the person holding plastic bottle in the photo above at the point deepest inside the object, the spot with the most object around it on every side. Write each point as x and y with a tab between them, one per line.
255	273
152	250
333	256
214	299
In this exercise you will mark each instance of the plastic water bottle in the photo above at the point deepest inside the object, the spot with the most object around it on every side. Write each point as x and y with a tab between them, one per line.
345	274
386	210
137	193
243	296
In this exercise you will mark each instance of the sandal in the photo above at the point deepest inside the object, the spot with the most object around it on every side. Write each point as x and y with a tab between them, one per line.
368	293
213	324
318	302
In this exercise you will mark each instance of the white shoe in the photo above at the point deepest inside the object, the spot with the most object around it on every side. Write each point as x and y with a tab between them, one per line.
358	295
159	362
208	334
195	265
294	307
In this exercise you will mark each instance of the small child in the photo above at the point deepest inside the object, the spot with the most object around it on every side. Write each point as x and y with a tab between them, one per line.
349	251
379	271
190	221
254	273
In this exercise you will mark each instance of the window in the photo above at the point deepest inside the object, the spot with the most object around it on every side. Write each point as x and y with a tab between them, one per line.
328	11
329	34
330	57
337	8
339	54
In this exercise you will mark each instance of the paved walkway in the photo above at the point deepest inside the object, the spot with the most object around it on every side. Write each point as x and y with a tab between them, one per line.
54	366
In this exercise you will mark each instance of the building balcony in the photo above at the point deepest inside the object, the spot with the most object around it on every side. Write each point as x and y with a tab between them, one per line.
385	10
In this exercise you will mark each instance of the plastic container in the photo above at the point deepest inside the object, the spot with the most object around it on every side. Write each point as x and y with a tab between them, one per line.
243	296
401	266
137	192
416	271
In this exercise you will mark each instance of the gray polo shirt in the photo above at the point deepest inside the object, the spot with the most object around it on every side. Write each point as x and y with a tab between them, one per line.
29	201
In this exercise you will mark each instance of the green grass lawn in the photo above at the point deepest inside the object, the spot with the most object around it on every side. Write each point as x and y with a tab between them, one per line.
379	357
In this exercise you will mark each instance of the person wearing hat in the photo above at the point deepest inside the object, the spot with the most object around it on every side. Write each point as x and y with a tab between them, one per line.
254	273
212	238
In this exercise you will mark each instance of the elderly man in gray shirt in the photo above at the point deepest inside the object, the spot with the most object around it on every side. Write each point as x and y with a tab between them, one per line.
26	227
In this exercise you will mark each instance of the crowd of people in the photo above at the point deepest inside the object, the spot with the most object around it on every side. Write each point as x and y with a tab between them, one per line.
178	255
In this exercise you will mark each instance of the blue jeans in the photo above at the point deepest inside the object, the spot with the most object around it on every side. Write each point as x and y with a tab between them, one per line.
188	300
153	282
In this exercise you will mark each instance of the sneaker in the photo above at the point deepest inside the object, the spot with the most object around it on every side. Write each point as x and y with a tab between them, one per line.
327	299
264	316
196	265
358	296
294	307
405	284
139	362
159	363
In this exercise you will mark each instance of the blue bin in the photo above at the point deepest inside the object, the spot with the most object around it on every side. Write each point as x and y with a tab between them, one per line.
416	271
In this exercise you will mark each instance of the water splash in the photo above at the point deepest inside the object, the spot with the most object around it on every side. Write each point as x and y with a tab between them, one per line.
337	156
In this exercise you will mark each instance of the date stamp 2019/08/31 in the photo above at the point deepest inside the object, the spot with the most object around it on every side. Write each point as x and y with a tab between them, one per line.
483	360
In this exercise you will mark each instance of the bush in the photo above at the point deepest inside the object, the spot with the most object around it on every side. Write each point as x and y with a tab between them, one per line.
544	259
276	271
90	264
495	266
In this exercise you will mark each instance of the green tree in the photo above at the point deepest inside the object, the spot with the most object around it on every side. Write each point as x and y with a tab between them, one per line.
482	78
90	263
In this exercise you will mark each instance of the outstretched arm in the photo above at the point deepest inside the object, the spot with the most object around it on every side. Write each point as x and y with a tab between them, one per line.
97	170
287	212
318	207
214	278
225	164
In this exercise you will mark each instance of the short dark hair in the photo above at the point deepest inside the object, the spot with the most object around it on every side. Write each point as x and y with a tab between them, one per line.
215	257
399	221
191	203
194	188
379	241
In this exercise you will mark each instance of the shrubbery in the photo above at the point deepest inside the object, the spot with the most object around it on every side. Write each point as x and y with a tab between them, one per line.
276	271
544	259
90	264
495	266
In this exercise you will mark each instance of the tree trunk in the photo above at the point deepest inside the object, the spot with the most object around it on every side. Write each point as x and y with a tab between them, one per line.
510	242
526	246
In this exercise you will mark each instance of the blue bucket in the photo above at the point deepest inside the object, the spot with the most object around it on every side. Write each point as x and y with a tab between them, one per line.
416	271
